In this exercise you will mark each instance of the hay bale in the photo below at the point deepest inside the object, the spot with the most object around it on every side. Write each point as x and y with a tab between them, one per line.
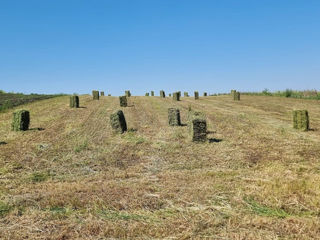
21	120
179	93
147	94
162	94
197	127
152	93
301	120
95	95
74	101
236	96
118	122
102	94
169	94
205	94
174	117
128	93
232	91
196	95
109	95
123	101
176	96
185	94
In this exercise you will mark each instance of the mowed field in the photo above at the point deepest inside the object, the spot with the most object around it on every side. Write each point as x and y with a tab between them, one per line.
71	177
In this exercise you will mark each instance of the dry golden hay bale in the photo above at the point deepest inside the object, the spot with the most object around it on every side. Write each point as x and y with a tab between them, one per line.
118	122
74	101
236	96
301	120
174	117
21	120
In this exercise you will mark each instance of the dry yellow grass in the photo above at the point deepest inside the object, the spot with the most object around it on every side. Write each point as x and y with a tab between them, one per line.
76	179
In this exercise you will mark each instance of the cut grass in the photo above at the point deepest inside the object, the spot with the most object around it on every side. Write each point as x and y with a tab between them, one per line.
85	182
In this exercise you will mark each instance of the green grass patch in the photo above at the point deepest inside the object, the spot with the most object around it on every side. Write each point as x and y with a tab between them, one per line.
82	146
132	137
263	210
4	209
119	215
39	176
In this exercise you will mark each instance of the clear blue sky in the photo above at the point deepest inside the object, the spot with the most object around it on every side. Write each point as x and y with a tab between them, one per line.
74	46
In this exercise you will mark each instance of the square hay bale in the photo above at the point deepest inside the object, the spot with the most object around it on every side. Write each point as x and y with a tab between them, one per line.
102	94
152	93
118	122
74	101
232	91
21	120
123	101
95	95
198	129
185	94
196	95
169	94
236	96
205	94
174	117
147	94
109	95
176	96
301	120
162	94
179	93
128	93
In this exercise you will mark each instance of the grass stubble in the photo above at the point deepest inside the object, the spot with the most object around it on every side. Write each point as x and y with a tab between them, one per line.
257	177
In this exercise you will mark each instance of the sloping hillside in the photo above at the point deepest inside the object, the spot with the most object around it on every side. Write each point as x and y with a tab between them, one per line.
71	177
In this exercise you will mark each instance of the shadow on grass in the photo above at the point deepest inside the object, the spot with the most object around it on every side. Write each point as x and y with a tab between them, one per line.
3	143
36	129
214	140
82	107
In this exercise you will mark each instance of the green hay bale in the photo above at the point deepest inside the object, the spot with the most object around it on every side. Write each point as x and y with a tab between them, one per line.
198	130
95	95
21	120
301	120
236	96
176	96
101	94
109	95
162	94
123	101
232	91
118	122
128	93
152	93
147	94
196	95
179	93
74	101
174	117
205	94
169	94
185	94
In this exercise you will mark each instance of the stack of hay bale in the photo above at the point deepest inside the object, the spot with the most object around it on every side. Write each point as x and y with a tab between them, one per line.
196	95
197	126
21	120
74	101
123	101
95	95
301	120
